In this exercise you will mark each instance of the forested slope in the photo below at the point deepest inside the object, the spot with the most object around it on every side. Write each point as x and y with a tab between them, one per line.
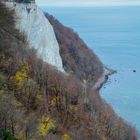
77	58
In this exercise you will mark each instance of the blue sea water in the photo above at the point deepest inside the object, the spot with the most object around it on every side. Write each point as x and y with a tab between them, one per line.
114	35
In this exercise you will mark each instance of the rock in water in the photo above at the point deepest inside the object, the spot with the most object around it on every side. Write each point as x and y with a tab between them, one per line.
40	34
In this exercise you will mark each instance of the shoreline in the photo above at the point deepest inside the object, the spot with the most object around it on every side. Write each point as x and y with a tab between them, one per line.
103	78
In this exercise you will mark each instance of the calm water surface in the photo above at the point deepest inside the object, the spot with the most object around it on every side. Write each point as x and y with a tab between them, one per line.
114	35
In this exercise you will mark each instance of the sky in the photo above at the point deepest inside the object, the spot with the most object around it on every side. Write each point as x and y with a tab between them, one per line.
85	3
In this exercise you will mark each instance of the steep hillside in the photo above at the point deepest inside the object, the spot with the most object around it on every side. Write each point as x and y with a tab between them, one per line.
31	21
37	102
77	58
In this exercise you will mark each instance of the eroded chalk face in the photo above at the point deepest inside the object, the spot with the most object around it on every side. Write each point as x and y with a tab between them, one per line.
40	34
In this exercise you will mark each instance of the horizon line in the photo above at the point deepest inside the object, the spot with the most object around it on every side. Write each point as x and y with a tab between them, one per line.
90	4
68	6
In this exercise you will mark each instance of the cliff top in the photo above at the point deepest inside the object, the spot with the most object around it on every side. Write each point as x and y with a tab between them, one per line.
21	1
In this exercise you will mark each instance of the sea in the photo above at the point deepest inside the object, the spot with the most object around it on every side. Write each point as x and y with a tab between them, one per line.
113	33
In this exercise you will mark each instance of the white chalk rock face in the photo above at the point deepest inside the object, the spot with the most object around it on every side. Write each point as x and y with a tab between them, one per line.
39	32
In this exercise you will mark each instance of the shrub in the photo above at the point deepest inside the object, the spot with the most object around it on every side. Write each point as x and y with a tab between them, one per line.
6	135
21	75
47	126
66	137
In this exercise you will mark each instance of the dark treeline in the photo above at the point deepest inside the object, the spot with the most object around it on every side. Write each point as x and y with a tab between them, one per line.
21	1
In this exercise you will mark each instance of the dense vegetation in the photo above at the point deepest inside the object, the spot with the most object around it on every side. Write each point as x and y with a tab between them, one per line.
37	102
77	58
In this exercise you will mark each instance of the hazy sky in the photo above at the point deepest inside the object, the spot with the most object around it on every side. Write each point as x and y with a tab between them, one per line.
87	2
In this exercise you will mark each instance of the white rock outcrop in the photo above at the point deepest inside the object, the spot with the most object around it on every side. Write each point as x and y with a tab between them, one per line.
39	32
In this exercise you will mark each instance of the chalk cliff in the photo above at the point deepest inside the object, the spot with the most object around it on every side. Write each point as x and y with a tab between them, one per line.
39	32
